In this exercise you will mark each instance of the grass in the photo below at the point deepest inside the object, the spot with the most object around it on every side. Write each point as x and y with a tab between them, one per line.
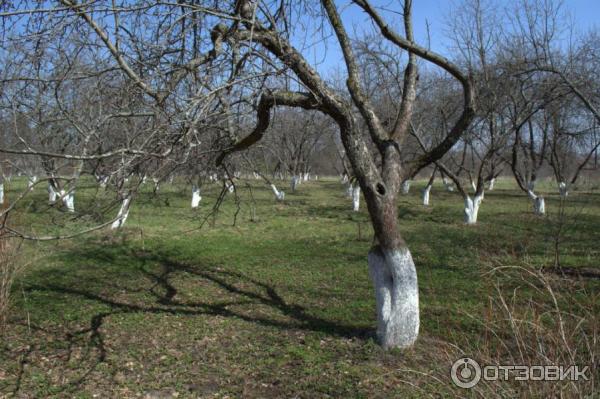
279	304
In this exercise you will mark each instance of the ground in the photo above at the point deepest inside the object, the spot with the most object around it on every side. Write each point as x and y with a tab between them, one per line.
268	299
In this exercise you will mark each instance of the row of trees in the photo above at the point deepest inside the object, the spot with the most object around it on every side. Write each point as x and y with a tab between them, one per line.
128	91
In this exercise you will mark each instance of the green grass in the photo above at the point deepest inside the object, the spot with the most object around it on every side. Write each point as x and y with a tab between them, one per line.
277	306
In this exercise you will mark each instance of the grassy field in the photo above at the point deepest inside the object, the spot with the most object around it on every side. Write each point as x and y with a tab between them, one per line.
279	303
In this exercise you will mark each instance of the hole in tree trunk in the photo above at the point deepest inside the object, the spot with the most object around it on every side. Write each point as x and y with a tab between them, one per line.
380	189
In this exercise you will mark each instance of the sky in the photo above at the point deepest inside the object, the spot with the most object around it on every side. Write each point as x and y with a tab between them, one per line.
434	13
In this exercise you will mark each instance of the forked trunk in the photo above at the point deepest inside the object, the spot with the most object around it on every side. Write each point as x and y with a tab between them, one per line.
68	200
472	208
397	296
31	181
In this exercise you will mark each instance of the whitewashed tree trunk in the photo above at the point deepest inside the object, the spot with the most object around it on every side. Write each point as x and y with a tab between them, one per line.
405	187
171	179
344	179
196	198
68	200
492	181
349	190
1	193
472	208
356	198
539	205
144	179
306	177
122	215
473	185
52	194
31	181
156	184
397	296
294	183
563	189
279	195
448	184
426	191
104	181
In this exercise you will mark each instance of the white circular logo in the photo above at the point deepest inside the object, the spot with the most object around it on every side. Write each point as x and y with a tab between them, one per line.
465	372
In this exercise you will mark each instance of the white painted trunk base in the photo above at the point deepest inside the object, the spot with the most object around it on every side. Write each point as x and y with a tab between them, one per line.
122	215
405	187
356	198
448	185
1	193
52	195
539	205
31	181
68	200
294	183
349	190
397	297
472	209
279	195
196	198
563	189
104	181
426	191
491	186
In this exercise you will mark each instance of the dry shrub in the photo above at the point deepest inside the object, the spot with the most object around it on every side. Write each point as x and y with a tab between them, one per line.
531	318
10	267
537	319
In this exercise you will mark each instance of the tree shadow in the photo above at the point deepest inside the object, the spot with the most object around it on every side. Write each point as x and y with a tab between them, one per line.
240	291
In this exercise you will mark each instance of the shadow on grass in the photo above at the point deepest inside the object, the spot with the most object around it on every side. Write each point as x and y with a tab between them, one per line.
158	294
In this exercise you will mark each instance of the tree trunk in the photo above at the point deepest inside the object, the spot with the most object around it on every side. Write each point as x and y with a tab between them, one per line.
397	296
349	190
52	194
472	209
196	198
294	183
1	193
31	181
539	205
447	184
492	181
68	200
279	195
405	187
426	191
563	189
356	198
122	215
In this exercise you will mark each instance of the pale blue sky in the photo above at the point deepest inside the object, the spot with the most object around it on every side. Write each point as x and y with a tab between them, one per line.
585	13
